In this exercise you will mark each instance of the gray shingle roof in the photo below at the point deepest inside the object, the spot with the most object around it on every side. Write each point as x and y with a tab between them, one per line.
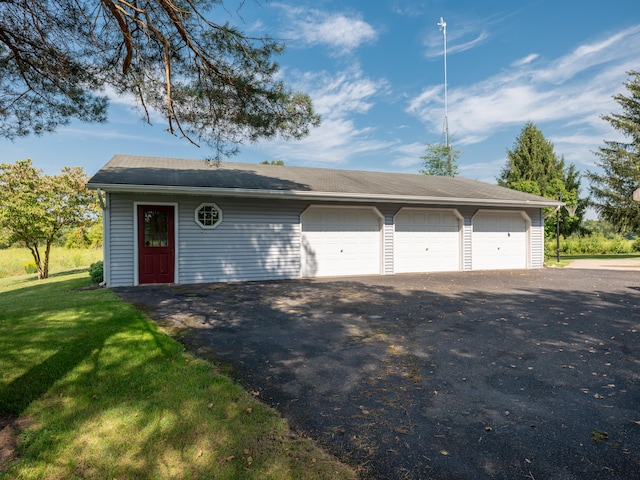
129	173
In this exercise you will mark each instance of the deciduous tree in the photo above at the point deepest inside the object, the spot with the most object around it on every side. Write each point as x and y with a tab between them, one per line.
35	207
612	188
210	81
440	159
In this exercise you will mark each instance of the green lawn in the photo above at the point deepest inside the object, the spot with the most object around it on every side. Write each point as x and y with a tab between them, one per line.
106	395
603	256
567	259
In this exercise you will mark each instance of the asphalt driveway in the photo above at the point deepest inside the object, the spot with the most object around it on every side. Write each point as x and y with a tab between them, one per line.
506	375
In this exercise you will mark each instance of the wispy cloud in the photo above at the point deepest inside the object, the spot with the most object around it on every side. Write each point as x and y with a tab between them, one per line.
525	61
465	36
339	98
410	9
574	89
617	47
483	171
407	157
468	45
341	32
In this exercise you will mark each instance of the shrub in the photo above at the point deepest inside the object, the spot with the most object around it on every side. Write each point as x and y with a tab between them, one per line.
635	247
96	272
30	267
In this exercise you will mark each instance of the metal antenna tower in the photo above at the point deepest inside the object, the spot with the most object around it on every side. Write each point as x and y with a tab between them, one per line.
442	25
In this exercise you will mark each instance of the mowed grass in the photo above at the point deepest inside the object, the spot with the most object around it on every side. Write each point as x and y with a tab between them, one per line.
552	261
106	395
12	260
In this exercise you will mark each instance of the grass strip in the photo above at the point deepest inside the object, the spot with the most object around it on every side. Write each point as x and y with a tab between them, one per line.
105	394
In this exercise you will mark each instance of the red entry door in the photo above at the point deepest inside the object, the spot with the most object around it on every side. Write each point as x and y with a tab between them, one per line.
156	247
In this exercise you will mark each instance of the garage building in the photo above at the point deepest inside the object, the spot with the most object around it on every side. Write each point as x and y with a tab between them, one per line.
191	221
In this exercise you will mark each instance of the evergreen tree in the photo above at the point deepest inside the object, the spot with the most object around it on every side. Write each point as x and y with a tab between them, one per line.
533	167
211	82
612	190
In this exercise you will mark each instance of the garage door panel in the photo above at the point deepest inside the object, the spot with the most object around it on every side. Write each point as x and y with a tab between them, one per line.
340	241
499	241
426	241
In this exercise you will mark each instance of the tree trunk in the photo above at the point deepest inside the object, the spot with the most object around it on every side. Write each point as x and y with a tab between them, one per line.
35	253
45	270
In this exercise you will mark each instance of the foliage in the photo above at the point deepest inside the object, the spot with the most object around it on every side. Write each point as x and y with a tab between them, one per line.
30	267
211	82
604	228
612	190
440	159
12	260
533	167
4	238
597	244
104	394
35	208
85	236
96	272
272	162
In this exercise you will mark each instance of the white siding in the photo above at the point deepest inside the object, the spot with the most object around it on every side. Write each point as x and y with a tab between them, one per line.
537	237
121	241
388	212
254	241
388	244
467	230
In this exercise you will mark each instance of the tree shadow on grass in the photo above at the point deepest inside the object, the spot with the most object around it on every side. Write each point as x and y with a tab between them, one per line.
71	340
117	398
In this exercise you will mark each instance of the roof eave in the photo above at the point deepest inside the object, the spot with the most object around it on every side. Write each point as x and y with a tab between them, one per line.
327	196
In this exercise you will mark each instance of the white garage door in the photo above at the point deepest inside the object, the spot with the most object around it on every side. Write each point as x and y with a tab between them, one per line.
340	241
426	240
499	241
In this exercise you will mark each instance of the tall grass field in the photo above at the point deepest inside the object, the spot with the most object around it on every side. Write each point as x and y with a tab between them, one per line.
593	245
13	260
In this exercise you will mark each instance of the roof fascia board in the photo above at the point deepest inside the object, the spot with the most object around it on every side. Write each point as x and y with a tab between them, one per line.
301	195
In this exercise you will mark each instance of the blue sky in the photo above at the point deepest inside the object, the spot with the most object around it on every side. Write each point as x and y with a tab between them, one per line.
374	70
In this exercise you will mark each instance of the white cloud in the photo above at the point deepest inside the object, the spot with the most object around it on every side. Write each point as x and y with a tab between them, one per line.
429	95
614	48
573	90
410	9
462	35
408	156
525	61
468	45
341	32
339	98
483	171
